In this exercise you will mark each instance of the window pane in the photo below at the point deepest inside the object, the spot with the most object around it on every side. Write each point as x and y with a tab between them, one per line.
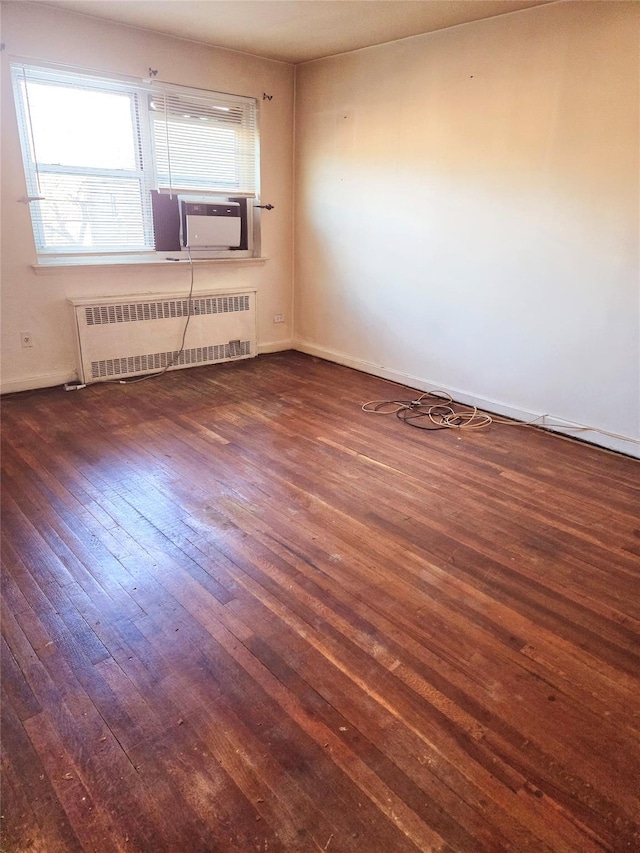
91	213
77	127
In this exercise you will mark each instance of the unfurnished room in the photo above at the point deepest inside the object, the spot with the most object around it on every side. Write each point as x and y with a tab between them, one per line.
320	426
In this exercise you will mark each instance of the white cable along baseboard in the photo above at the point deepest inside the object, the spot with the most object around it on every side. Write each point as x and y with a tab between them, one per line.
585	432
51	380
42	380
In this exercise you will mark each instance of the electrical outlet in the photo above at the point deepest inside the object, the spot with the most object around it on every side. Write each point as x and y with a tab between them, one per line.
278	318
26	339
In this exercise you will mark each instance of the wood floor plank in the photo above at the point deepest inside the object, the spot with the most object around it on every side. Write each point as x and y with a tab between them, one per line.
32	817
240	614
21	696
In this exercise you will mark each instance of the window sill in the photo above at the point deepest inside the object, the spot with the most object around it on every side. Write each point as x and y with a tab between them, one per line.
57	265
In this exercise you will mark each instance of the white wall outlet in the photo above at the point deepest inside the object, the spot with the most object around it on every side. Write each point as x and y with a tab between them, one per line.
26	339
278	318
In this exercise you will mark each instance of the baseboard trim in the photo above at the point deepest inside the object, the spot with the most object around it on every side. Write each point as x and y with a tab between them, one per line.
620	444
43	380
50	380
275	346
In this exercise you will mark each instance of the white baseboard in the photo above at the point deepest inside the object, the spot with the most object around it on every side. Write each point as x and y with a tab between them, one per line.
50	380
621	444
43	380
275	346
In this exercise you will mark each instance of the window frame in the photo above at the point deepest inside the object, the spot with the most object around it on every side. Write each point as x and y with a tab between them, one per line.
141	93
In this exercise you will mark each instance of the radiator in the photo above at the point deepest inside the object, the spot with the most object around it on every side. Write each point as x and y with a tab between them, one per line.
133	335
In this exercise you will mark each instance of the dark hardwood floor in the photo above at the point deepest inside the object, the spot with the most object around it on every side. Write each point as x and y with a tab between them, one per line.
239	614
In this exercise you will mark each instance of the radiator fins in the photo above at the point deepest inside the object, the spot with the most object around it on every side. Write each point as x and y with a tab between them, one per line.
131	312
134	364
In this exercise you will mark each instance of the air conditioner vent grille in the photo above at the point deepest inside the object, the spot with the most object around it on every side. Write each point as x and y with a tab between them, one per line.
131	365
129	312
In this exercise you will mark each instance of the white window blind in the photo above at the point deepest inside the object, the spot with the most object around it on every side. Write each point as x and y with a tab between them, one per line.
84	157
204	142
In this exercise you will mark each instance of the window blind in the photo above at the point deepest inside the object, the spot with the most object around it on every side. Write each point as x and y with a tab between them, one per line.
204	142
85	161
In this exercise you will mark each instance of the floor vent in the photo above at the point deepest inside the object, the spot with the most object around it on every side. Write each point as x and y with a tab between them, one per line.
136	335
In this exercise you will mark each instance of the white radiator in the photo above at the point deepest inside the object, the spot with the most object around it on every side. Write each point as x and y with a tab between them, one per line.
131	335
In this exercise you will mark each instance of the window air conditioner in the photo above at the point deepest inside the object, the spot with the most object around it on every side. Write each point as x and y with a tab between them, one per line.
210	225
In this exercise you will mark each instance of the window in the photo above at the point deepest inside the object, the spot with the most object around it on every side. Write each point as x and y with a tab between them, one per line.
97	151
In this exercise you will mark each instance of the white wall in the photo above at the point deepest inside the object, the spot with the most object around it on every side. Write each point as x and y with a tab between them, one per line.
467	213
37	303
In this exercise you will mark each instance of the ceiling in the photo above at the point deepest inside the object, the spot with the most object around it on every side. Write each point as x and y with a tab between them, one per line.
294	30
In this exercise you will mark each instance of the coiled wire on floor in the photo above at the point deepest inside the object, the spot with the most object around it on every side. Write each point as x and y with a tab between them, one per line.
431	410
